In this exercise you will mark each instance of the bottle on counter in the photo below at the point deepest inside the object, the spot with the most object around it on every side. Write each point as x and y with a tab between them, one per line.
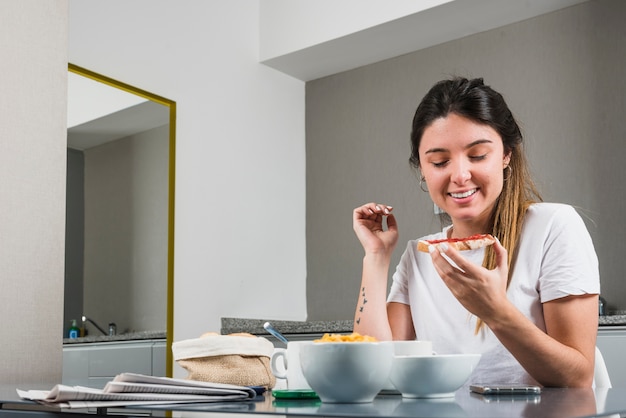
601	306
74	331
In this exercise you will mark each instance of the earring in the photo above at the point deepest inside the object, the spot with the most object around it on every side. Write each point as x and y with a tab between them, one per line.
422	183
505	178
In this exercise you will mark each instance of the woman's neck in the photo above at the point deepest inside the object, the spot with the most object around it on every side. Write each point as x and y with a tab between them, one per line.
461	228
462	231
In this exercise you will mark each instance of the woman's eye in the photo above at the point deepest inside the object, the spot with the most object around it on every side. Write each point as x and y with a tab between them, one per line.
478	157
440	163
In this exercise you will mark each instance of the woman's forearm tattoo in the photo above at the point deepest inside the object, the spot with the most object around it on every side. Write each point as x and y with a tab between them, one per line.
364	301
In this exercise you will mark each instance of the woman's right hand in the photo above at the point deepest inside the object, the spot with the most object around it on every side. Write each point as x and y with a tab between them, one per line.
368	224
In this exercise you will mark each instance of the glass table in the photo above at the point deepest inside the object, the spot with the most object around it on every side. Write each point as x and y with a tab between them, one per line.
552	402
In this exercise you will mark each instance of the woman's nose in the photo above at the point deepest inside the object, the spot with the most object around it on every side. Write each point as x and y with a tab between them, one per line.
460	173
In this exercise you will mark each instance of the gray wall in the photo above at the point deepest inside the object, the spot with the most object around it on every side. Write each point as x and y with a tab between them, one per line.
122	277
74	238
562	75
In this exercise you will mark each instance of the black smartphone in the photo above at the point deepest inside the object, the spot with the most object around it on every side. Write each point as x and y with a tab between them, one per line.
505	389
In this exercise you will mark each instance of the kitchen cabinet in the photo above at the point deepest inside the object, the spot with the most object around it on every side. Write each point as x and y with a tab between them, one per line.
612	344
95	364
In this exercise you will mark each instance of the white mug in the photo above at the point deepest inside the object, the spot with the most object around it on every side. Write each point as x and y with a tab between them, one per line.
291	369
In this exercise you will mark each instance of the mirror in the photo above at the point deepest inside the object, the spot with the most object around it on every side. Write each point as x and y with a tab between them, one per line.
120	208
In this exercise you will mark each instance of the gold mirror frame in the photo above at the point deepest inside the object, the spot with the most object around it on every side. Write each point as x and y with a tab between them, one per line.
171	188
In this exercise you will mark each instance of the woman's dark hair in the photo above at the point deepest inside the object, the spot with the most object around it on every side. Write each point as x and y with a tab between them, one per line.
468	98
479	103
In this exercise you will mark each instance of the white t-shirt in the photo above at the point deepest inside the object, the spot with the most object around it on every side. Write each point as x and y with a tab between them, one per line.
556	258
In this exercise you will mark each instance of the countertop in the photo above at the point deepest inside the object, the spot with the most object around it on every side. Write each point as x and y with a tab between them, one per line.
612	319
129	336
255	326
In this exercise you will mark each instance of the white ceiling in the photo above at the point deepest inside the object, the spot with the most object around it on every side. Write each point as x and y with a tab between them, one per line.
98	113
446	22
129	121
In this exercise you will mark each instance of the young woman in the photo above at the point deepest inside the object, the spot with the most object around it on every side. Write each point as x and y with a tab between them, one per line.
529	302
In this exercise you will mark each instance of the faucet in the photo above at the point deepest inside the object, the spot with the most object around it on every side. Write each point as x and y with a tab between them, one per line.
85	319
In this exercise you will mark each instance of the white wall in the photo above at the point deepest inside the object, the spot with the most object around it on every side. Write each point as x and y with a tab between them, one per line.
240	214
33	53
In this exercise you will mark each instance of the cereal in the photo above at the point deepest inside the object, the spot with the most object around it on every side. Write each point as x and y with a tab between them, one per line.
355	337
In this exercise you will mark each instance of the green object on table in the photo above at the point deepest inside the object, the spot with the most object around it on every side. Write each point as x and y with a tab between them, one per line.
294	394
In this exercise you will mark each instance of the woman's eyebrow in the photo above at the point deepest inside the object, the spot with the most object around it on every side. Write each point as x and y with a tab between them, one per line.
468	146
478	142
433	150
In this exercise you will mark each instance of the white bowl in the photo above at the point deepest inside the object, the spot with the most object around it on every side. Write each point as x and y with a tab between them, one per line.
341	372
412	348
408	348
432	376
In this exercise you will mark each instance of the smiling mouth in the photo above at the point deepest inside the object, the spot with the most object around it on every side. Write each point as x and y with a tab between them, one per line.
464	194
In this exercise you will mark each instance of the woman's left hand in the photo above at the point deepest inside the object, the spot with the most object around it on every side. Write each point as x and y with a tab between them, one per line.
560	355
481	291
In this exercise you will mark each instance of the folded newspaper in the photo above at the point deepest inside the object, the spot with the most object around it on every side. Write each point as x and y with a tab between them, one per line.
128	389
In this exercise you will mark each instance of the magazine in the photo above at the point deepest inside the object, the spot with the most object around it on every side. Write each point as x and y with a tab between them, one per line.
128	389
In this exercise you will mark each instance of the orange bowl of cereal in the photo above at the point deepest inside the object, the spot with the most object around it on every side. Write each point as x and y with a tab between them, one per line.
355	337
346	368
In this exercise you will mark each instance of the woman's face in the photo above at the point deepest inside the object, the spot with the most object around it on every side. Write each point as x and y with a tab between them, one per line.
462	162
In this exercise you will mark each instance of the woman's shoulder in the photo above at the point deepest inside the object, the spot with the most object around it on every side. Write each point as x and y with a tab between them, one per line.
549	213
550	209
